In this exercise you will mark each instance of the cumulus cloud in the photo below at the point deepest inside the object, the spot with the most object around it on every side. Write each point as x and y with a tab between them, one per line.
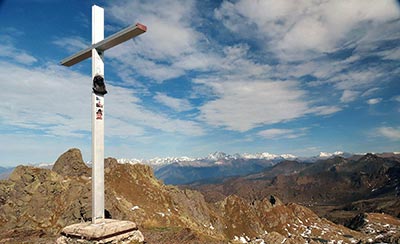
392	133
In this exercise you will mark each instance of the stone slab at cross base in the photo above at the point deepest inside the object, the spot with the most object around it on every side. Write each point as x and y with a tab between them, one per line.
109	231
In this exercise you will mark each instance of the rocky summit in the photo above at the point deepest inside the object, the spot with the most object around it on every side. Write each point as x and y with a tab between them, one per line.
35	204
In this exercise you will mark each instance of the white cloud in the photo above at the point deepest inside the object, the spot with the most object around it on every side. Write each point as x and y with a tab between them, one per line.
9	51
178	105
348	96
373	101
392	133
396	98
72	44
242	104
131	64
296	29
324	110
358	79
44	99
244	97
281	133
369	92
169	32
169	46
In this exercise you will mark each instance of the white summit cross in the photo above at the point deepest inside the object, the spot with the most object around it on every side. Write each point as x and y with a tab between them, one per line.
96	51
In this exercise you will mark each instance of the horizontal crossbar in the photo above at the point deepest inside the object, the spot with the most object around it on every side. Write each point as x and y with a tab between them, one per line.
111	41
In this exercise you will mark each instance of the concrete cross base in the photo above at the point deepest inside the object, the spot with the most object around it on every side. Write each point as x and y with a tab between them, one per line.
108	231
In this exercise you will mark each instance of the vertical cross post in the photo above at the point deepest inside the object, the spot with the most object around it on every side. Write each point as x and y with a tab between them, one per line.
96	52
97	120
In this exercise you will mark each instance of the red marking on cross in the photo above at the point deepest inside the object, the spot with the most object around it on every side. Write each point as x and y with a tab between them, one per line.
142	27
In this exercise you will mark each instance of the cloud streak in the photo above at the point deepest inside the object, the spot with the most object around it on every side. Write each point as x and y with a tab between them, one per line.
176	104
7	50
282	133
391	133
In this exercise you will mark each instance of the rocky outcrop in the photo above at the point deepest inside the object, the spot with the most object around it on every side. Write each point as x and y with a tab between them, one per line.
384	228
71	163
40	200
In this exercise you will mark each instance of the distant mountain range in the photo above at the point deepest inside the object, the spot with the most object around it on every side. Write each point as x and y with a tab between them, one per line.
219	165
213	158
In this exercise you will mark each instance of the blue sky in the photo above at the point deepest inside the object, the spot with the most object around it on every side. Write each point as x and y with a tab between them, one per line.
292	76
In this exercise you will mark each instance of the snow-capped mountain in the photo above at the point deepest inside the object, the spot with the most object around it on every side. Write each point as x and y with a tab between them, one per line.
218	158
156	162
268	156
210	159
328	155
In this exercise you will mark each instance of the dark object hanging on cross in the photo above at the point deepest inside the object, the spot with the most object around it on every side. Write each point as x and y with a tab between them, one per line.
99	87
